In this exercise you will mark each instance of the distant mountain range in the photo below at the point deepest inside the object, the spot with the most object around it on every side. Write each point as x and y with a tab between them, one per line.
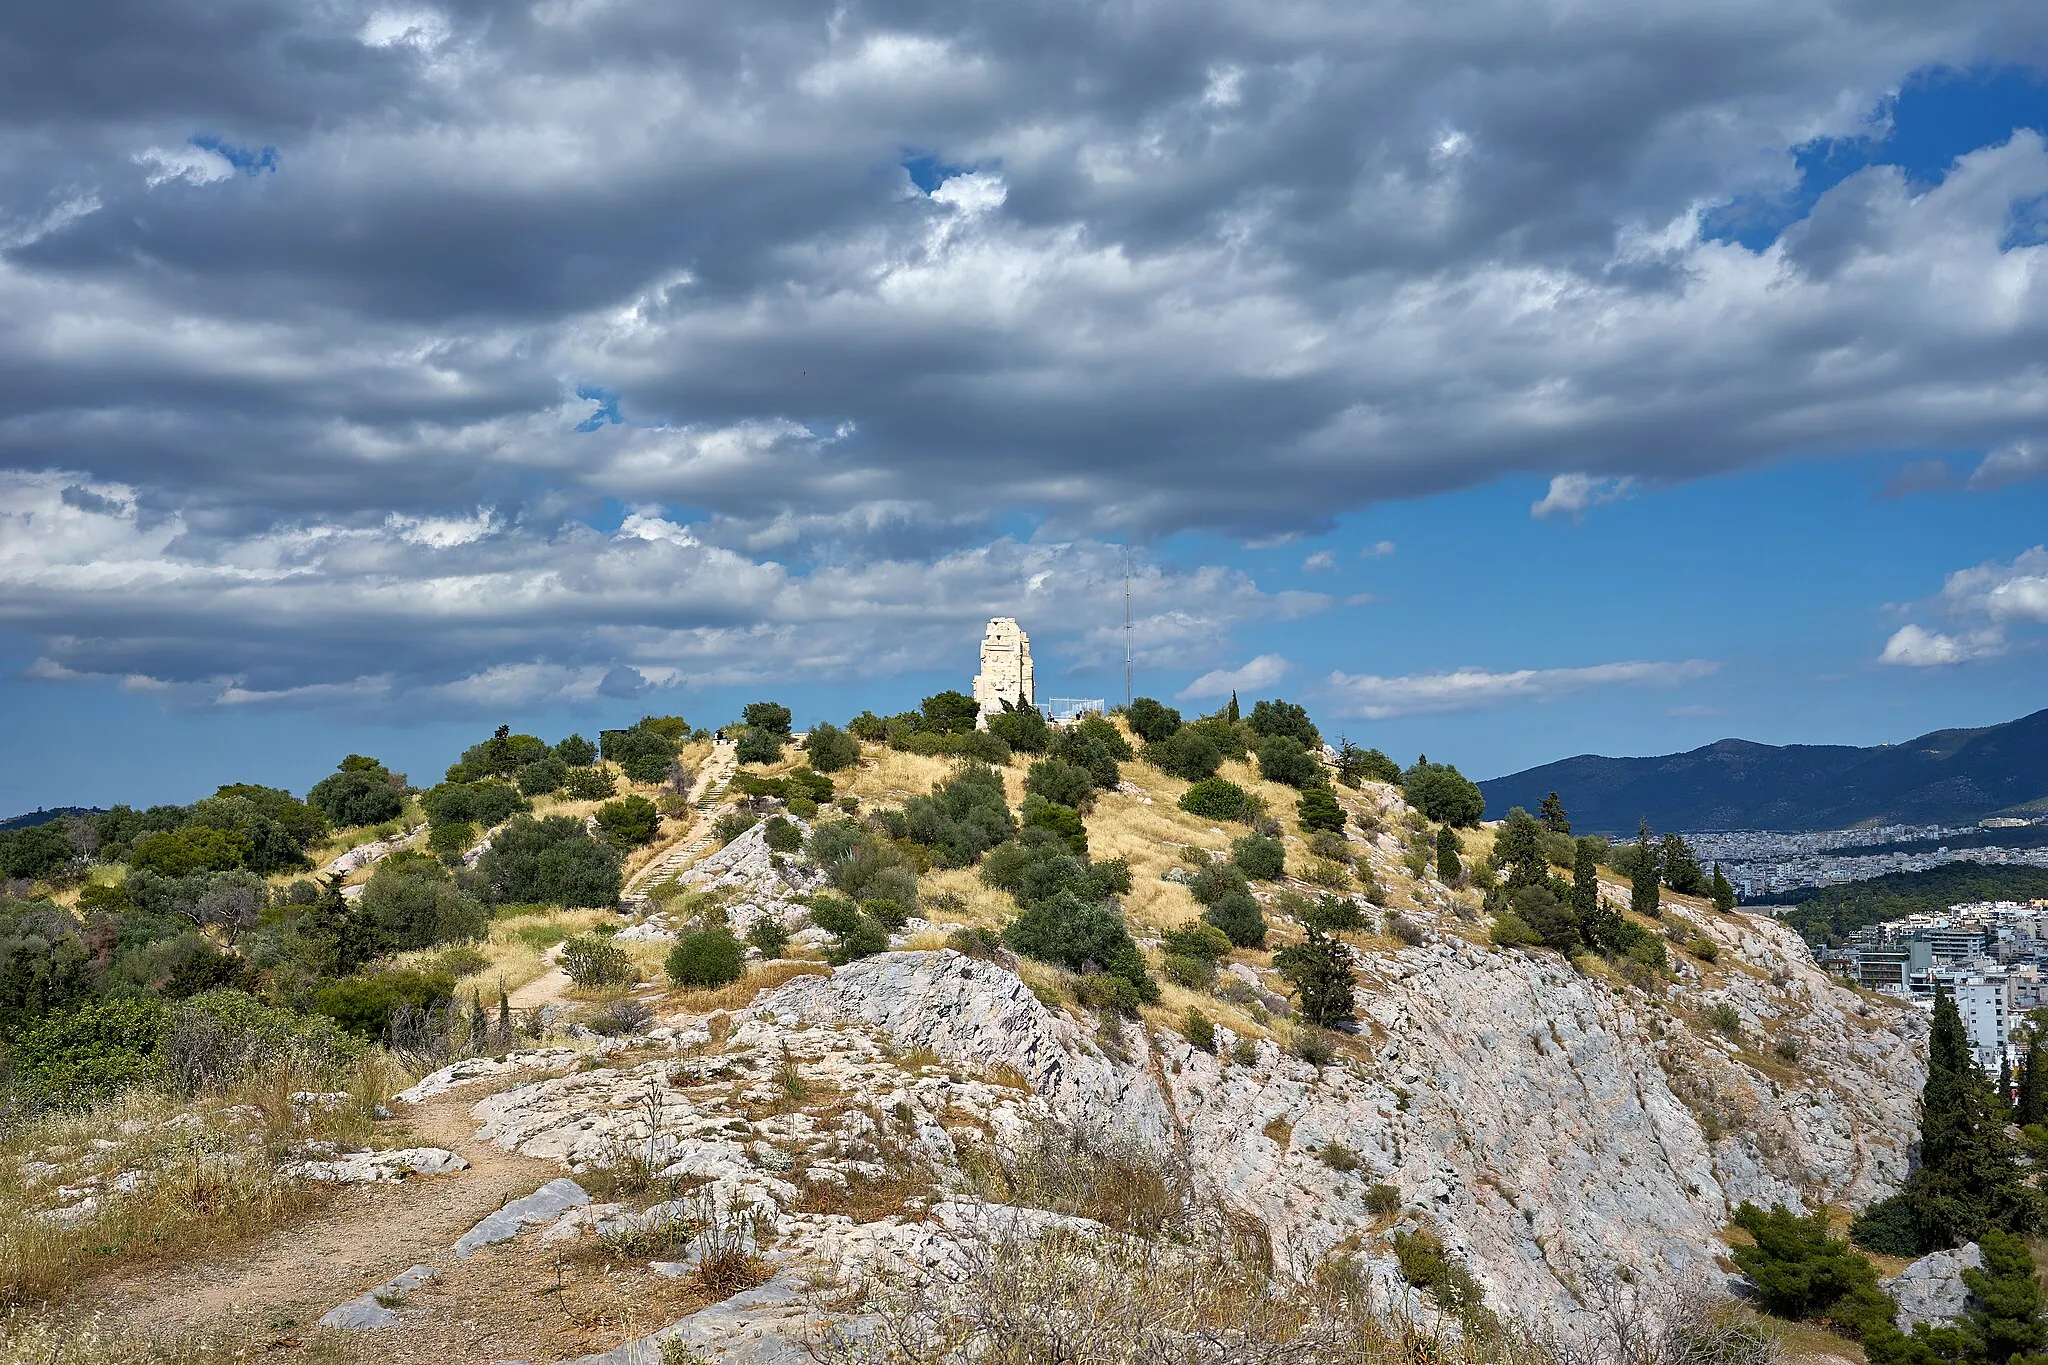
1947	777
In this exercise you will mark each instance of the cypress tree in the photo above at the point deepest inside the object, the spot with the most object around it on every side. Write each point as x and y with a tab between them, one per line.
1233	712
1969	1182
2031	1104
1519	848
1646	875
1585	882
1724	894
1552	813
504	1015
1448	866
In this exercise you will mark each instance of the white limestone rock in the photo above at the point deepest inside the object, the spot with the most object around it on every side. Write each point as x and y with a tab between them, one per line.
544	1205
1931	1290
368	1168
378	1307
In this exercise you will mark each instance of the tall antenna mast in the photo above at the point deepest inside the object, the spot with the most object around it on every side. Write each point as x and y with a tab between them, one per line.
1127	625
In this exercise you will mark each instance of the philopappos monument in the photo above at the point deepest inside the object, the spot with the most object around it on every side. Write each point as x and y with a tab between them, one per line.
1005	669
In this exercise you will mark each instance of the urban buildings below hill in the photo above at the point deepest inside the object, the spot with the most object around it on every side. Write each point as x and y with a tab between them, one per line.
1763	862
1990	955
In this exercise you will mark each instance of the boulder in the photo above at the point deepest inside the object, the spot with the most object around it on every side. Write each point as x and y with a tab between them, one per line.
1931	1290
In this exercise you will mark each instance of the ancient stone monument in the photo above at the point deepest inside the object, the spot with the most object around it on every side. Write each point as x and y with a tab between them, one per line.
1005	669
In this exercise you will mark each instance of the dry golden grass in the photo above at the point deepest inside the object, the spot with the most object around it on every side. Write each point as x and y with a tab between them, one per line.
744	991
212	1180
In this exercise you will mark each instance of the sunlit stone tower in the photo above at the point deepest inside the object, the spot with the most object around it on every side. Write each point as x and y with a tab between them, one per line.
1005	669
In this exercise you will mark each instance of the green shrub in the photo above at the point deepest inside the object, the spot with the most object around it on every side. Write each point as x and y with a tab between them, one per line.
1061	783
550	861
195	848
1338	1157
769	935
1703	948
1150	720
590	784
1215	880
758	746
576	751
1382	1199
357	796
1430	1267
363	1005
1189	754
782	836
1215	798
732	824
1198	939
483	804
1331	914
1727	1019
416	904
706	957
856	935
1317	810
1319	968
1258	857
1194	973
644	749
1283	759
975	941
964	817
1239	917
628	822
1078	935
1200	1033
1802	1272
593	961
1442	793
1509	931
1063	821
542	776
830	749
1022	728
1311	1045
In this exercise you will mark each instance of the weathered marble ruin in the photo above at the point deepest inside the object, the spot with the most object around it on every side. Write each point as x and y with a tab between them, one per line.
1005	669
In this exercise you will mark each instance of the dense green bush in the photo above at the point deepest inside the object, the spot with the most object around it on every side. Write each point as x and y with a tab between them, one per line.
590	784
503	754
1199	939
1216	879
855	935
706	957
859	864
771	716
542	777
576	751
962	818
1150	720
1238	915
1888	1228
628	822
1060	782
363	1005
782	836
1258	857
1188	753
594	960
830	749
1283	759
1270	718
35	852
1317	810
1801	1272
1215	798
1080	935
483	804
758	746
1063	821
358	795
770	936
644	749
195	848
551	861
1023	728
1320	970
1200	1033
1355	765
416	904
1442	793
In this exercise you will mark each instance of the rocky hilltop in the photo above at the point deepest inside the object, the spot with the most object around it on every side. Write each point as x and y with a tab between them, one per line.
872	1129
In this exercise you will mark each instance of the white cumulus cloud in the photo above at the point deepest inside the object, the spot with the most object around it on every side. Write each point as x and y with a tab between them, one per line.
1262	672
1574	494
2014	462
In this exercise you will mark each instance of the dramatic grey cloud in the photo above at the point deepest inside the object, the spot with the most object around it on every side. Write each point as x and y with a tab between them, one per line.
351	324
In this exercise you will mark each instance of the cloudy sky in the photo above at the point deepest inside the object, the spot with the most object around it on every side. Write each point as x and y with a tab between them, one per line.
1502	380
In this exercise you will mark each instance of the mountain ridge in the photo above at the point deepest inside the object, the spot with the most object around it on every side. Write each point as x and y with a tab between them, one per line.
1949	776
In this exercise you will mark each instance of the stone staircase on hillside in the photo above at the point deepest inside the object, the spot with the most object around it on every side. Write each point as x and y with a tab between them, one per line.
705	796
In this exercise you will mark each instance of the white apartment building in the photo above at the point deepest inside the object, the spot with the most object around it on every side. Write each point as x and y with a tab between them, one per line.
1984	1000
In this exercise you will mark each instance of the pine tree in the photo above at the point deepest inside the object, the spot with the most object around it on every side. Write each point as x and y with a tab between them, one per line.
1680	866
1320	969
1519	848
1646	892
1552	813
1969	1182
1448	866
1724	894
2030	1105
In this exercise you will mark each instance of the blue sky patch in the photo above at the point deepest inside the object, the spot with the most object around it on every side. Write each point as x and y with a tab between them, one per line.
248	162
